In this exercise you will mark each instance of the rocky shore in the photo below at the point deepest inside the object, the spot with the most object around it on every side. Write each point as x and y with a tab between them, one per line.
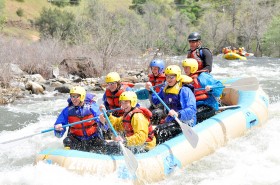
23	85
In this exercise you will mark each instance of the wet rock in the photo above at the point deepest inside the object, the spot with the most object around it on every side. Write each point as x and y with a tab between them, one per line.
63	89
34	87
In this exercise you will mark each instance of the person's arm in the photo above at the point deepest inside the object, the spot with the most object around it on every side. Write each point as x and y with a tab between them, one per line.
139	124
207	79
188	103
207	60
116	122
106	104
96	112
60	121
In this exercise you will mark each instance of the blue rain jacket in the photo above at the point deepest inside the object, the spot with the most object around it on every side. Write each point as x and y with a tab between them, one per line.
207	79
186	108
63	117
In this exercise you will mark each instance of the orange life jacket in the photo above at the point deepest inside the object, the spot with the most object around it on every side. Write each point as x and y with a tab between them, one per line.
156	80
88	128
127	122
113	99
200	94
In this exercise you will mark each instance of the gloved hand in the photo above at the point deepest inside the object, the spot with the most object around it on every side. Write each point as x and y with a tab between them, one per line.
108	114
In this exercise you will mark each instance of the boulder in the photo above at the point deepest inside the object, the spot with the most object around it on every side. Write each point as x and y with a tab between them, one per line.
34	87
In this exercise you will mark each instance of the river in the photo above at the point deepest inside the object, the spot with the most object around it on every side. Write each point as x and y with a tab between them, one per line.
253	159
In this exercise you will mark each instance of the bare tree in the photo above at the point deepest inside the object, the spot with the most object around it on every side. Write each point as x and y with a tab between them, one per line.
109	32
254	17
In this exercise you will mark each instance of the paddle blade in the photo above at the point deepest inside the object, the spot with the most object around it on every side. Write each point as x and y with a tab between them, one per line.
18	139
130	160
188	132
246	84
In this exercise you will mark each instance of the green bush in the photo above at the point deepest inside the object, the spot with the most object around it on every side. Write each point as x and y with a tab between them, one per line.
55	23
20	12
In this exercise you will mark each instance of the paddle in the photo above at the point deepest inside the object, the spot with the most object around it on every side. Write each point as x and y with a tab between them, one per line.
229	107
113	110
244	84
129	158
48	130
188	132
143	94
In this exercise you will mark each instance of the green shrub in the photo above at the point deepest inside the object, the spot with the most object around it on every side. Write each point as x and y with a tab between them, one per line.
20	12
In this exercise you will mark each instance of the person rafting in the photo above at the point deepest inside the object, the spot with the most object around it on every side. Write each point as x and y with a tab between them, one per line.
206	96
113	91
86	136
157	76
138	134
181	101
202	54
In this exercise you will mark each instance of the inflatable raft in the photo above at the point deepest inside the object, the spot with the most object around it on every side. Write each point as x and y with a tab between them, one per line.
159	163
234	56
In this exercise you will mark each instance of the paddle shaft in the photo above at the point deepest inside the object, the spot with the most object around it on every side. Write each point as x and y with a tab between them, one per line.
158	85
229	107
113	110
48	130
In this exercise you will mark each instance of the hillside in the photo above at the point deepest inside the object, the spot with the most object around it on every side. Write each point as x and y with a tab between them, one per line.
22	26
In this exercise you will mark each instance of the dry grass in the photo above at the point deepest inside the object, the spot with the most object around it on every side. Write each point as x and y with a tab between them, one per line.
32	9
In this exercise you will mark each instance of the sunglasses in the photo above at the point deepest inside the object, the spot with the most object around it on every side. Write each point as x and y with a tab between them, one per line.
170	77
74	96
111	83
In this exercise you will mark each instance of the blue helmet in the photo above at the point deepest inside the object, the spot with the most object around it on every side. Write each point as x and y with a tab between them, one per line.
158	63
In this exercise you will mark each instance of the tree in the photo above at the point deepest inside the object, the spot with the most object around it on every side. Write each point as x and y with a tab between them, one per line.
253	20
19	12
271	40
111	32
191	9
55	23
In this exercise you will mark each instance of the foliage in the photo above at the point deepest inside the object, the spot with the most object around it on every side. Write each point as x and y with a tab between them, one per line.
55	23
271	39
2	17
111	33
137	5
21	1
63	3
19	12
191	9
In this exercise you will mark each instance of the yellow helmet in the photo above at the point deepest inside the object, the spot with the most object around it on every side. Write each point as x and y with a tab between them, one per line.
173	70
192	63
186	79
129	95
79	90
112	77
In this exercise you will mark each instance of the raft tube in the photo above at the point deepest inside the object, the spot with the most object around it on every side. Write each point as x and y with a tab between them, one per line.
159	163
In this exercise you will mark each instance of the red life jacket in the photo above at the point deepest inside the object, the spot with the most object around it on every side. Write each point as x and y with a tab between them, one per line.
113	99
127	122
197	55
89	127
156	80
200	94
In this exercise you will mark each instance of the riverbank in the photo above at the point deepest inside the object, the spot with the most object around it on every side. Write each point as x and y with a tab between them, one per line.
25	85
